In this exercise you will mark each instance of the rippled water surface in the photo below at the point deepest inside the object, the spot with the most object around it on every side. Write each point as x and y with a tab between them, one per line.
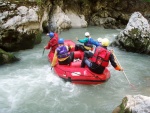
29	86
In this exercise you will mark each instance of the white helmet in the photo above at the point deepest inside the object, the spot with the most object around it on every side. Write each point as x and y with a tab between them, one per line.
99	40
87	34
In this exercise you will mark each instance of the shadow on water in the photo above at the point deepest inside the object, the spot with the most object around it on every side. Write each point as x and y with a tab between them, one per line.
29	86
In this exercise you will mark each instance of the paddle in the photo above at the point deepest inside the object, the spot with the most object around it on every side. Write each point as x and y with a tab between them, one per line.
123	70
43	51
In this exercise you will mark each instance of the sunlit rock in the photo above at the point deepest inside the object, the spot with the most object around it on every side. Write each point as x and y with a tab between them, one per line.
65	20
60	20
21	26
77	21
24	16
134	104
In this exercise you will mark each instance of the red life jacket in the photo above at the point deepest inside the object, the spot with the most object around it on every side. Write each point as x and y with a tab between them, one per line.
53	42
101	56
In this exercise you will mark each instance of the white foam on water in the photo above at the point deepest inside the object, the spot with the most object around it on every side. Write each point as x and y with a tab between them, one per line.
29	86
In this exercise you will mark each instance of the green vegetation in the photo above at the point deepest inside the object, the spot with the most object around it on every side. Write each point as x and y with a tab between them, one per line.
135	33
147	0
41	2
122	106
26	2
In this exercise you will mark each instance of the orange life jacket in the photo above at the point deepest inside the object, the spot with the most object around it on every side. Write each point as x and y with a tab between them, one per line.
101	56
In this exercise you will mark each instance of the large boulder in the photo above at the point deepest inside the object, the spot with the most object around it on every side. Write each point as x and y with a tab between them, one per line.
20	25
13	40
136	36
134	104
61	19
77	21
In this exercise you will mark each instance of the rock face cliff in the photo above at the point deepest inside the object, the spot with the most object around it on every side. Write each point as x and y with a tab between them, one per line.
100	12
22	22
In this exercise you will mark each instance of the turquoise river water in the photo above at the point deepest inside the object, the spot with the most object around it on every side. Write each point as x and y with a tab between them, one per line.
29	86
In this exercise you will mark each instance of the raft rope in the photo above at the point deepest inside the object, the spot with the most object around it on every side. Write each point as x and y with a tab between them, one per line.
94	75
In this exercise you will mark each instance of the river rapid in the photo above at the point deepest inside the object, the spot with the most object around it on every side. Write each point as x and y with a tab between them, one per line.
29	86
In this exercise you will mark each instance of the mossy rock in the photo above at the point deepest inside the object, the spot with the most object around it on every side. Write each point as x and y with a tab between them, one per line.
122	107
6	57
38	38
12	40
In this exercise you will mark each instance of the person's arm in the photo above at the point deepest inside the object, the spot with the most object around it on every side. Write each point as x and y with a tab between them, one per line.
114	64
83	40
96	43
51	43
47	46
54	61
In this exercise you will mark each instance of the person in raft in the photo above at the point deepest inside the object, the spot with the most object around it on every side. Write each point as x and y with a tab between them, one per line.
62	54
100	59
53	42
88	43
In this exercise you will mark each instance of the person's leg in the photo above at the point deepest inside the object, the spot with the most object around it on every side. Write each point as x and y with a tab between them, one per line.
62	62
71	56
77	47
88	54
83	62
81	47
88	63
65	62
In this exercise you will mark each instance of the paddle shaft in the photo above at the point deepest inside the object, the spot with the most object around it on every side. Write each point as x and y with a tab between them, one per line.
43	51
121	67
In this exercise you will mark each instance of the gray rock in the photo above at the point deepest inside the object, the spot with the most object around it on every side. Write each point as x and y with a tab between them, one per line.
136	36
134	104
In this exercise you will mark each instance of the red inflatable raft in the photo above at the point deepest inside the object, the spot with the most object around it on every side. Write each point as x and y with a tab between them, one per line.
75	74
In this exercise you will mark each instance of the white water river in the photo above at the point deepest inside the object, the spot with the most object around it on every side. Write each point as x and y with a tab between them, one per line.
29	86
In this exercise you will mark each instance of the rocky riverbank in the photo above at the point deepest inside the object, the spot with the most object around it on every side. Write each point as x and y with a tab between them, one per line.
22	22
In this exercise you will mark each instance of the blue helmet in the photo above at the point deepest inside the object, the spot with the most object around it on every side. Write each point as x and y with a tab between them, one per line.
51	34
61	41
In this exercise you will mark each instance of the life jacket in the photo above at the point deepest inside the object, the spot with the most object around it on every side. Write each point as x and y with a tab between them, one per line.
54	45
62	52
101	56
88	43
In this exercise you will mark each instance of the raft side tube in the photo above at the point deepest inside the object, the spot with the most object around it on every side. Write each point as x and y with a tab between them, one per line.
75	64
78	54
